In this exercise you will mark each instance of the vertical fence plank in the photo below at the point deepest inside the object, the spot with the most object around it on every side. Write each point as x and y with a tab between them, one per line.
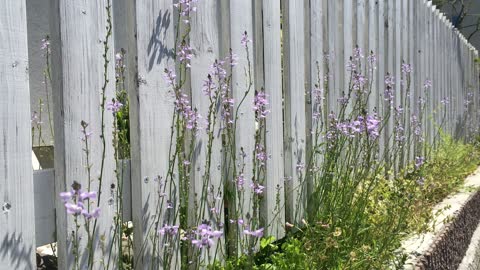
382	60
334	55
390	68
349	40
273	211
295	133
418	56
436	70
399	83
78	68
151	118
204	41
243	87
373	39
427	62
318	83
17	236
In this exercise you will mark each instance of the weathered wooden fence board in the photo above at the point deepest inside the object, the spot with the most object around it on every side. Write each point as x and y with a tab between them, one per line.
207	178
154	185
17	236
78	60
295	122
272	211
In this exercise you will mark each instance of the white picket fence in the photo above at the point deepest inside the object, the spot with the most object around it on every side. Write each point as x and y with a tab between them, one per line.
412	31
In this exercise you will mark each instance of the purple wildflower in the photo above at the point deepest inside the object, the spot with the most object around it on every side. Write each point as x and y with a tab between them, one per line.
260	104
256	233
45	45
419	161
245	40
358	81
169	76
208	86
372	60
343	100
318	95
445	101
399	133
260	154
114	106
427	84
351	65
372	123
186	7
257	188
94	214
88	195
218	70
205	236
406	68
171	230
65	196
74	209
389	80
240	181
232	59
357	53
185	54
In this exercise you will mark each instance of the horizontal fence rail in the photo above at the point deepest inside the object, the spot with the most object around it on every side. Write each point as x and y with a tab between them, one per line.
297	50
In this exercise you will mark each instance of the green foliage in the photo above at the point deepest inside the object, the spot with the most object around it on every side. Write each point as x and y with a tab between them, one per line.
370	238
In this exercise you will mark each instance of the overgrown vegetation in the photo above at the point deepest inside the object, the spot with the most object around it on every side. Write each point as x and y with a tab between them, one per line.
396	207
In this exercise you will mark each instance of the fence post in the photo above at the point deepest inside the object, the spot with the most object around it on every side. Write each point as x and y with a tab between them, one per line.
17	236
83	79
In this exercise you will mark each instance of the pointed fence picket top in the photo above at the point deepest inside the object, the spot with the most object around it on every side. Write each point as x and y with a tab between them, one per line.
83	80
17	236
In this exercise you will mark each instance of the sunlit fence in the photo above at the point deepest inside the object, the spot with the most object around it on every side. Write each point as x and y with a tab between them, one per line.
299	49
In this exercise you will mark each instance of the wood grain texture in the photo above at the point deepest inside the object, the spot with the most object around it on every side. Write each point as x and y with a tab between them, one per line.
243	87
295	121
151	114
78	68
337	53
204	40
390	61
373	46
272	211
17	236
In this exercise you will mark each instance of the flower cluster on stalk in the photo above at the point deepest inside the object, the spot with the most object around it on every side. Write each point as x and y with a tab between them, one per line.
76	202
205	236
369	124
